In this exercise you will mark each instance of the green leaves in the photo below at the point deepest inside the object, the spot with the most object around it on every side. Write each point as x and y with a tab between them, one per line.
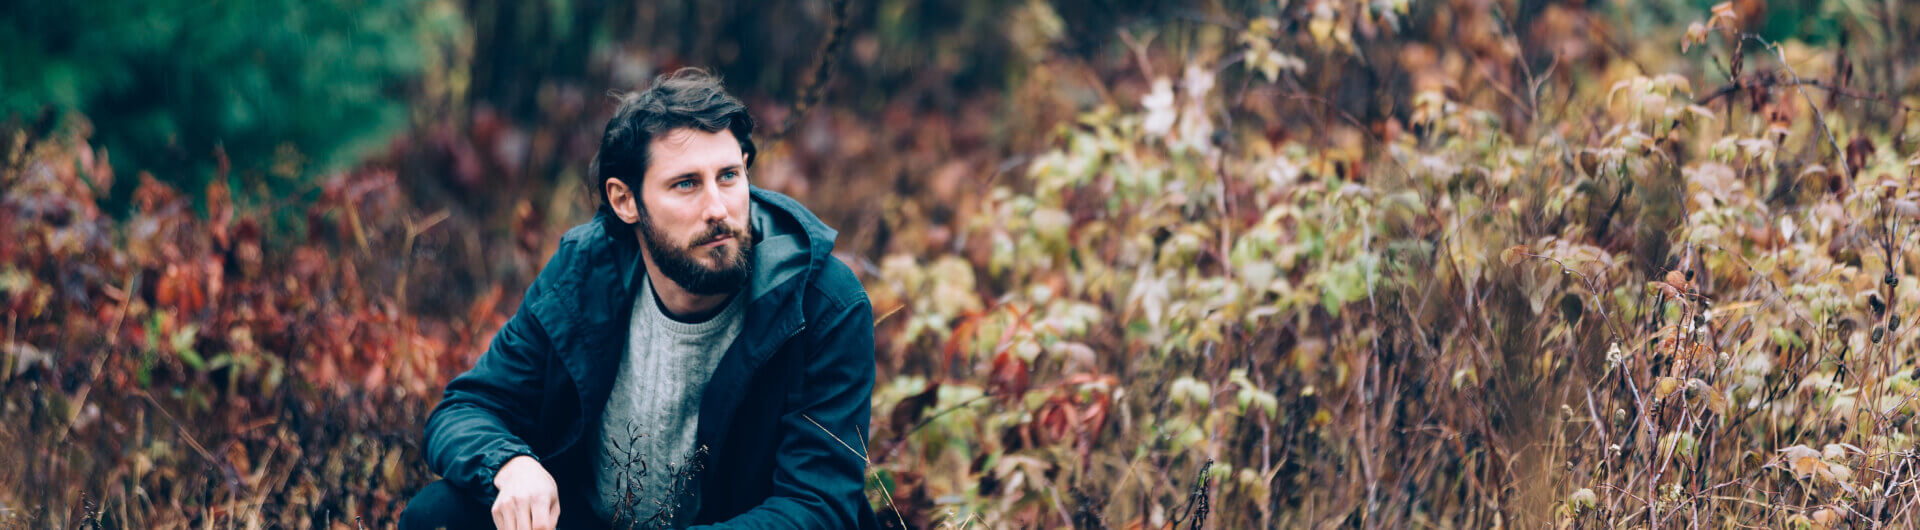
1348	282
165	83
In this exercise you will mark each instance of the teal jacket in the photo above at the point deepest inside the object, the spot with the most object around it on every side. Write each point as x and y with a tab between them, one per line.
783	418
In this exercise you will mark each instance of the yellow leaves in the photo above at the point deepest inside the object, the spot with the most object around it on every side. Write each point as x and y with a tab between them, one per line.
1514	255
1271	62
1665	386
1668	84
1723	11
1639	83
1820	466
1262	56
1330	27
1716	401
1034	28
1825	518
1722	18
1693	390
1678	444
1819	519
1716	183
1696	34
953	290
1188	390
1650	108
1052	226
1582	500
1431	106
1251	398
1805	468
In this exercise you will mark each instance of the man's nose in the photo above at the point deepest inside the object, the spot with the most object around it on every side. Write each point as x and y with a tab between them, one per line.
716	203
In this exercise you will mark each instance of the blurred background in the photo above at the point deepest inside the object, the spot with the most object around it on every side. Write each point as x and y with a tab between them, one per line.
1137	264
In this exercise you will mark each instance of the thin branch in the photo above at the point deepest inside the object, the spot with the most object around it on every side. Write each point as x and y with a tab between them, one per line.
1839	155
1762	81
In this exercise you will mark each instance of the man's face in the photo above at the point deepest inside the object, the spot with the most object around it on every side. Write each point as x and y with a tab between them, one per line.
695	210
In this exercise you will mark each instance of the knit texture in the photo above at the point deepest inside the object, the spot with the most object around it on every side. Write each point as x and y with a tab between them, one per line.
645	470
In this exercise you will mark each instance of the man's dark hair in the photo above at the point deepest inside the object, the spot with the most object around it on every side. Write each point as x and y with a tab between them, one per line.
687	98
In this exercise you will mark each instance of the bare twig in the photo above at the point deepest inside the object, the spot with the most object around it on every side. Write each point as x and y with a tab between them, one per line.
1839	155
822	71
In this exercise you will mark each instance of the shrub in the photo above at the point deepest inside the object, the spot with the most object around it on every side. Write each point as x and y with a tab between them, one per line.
275	87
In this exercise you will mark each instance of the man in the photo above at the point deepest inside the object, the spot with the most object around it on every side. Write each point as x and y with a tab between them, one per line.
692	356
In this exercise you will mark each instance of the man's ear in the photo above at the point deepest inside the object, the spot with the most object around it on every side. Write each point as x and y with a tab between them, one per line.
624	201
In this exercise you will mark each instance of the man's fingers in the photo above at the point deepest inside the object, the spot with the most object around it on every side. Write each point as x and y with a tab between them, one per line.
523	514
509	513
553	509
499	511
538	516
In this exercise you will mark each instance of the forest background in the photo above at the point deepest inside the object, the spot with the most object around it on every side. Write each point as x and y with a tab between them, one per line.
1223	264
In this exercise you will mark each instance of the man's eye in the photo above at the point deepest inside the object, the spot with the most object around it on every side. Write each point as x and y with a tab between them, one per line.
683	185
730	175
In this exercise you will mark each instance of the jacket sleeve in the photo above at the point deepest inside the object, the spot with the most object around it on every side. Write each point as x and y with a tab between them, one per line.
472	432
819	478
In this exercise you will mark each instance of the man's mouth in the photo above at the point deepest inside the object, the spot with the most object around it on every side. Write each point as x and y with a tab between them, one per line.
717	241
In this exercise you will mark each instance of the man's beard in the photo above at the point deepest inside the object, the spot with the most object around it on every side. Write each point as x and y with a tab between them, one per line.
679	265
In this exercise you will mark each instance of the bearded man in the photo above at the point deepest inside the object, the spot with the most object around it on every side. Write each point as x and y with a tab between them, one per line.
693	356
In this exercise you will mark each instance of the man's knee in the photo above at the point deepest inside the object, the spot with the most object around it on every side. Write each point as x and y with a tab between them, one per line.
440	505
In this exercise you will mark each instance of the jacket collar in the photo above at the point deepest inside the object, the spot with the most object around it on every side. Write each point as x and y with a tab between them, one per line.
789	241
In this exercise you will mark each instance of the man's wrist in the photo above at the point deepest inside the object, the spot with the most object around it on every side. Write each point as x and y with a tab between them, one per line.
493	464
509	463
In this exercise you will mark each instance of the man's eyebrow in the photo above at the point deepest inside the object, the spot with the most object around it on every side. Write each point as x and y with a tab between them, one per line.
696	173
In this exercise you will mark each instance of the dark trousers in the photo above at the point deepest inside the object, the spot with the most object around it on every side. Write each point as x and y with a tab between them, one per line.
442	505
439	505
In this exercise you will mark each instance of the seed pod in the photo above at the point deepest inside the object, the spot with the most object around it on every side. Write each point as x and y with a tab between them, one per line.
1877	333
1893	323
1582	500
1892	281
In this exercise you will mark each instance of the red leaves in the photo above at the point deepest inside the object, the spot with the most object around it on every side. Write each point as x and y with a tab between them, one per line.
1009	379
207	291
1077	411
187	287
1857	152
907	413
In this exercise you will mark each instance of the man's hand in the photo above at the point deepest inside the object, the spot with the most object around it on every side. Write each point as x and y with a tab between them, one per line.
528	498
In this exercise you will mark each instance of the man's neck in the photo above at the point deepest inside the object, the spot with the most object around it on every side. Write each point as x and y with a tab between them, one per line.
678	303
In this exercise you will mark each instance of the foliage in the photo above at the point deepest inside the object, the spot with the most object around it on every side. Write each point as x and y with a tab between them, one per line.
1693	291
129	343
1385	264
281	90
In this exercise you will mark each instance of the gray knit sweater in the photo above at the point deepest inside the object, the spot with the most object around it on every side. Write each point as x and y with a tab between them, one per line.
645	470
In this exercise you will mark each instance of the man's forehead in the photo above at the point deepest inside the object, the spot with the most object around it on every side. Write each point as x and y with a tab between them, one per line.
688	147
